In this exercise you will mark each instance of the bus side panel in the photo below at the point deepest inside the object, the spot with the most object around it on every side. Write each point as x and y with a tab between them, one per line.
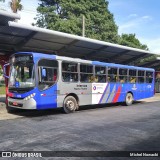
122	90
112	93
100	92
81	90
47	99
120	93
141	91
149	90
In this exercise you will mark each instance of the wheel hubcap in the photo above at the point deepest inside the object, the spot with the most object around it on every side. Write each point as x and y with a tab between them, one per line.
70	104
129	98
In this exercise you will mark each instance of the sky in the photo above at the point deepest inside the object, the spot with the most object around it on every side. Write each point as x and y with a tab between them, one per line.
27	14
141	17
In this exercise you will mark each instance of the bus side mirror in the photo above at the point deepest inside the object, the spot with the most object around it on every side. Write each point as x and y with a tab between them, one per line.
4	70
43	74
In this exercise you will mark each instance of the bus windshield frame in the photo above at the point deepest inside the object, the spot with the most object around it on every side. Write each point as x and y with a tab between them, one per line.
22	74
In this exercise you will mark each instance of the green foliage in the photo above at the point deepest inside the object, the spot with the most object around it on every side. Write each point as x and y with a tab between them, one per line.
15	5
0	6
131	41
148	59
2	90
66	16
1	70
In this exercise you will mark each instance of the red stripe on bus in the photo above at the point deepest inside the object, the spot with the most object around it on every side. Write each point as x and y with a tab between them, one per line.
115	99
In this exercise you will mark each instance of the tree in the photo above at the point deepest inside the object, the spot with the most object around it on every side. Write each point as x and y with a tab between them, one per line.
15	5
131	41
66	16
1	70
0	7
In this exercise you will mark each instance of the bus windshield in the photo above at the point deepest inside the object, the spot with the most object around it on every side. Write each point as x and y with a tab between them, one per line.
22	75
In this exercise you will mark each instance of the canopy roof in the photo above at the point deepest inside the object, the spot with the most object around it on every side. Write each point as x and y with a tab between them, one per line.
153	63
6	16
19	37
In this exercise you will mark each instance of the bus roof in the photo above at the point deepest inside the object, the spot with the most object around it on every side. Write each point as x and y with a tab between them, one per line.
42	55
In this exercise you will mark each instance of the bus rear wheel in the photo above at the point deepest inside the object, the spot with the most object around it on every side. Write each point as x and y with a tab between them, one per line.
129	99
70	104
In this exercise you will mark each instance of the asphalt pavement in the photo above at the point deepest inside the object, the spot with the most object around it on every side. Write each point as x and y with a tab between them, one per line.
93	128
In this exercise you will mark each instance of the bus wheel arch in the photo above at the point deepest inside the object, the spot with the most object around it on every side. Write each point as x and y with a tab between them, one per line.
129	98
71	103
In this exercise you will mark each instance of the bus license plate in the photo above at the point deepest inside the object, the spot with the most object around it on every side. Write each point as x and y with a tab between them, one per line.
15	103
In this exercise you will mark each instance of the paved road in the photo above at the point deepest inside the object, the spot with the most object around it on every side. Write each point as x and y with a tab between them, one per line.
100	128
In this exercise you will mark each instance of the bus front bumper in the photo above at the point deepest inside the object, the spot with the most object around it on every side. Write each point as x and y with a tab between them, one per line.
21	103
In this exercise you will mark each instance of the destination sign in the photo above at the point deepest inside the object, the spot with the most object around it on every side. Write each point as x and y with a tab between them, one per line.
21	58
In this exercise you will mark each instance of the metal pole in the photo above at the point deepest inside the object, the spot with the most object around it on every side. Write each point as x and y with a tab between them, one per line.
83	26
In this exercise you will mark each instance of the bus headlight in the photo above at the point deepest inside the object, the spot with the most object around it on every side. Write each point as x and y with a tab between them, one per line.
30	96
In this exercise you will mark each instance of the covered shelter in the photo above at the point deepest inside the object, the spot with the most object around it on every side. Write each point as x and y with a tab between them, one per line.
5	17
16	37
153	63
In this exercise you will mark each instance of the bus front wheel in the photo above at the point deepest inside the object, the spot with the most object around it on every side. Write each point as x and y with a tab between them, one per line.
129	99
70	104
10	109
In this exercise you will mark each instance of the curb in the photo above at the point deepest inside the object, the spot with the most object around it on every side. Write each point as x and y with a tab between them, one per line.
2	95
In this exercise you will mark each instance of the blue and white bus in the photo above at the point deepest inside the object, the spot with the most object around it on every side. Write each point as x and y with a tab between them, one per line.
41	81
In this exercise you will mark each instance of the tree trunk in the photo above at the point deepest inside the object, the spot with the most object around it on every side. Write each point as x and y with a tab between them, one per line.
14	6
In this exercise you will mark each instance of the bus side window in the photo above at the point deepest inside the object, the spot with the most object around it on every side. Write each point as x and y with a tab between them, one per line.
112	74
69	72
132	80
86	73
140	76
123	75
47	70
149	77
91	78
100	74
132	76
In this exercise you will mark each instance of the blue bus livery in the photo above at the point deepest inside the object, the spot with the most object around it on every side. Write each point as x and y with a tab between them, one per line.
41	81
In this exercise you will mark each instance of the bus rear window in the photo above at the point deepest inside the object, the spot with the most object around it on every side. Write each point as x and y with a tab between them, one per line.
149	77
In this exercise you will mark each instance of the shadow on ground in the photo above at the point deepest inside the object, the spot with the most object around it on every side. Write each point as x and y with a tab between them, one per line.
2	99
39	113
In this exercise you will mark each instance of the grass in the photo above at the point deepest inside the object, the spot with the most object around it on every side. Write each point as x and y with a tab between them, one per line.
2	90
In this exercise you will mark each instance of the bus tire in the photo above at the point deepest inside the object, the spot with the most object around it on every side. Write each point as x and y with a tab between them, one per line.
70	104
129	99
